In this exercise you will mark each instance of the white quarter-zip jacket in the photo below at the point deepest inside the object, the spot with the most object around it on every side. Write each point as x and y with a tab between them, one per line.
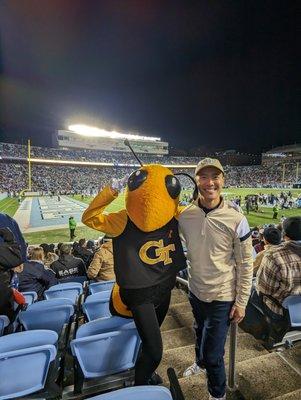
219	252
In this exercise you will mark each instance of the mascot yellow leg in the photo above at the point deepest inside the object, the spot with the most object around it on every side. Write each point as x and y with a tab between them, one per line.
117	307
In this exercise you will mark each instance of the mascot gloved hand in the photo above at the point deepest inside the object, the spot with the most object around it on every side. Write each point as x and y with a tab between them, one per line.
147	255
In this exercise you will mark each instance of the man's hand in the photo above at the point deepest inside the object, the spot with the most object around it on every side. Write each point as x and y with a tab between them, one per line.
237	314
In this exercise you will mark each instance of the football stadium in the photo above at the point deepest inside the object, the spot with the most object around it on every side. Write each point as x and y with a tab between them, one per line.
150	201
45	186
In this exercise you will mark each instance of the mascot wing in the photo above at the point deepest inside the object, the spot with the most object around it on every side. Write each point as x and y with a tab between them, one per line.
112	224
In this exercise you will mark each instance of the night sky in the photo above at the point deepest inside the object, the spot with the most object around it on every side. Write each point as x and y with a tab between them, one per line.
217	74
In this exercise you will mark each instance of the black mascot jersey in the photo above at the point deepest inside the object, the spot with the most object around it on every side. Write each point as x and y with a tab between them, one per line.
144	259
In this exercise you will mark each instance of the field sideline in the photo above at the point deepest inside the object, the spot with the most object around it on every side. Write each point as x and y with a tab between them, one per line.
264	216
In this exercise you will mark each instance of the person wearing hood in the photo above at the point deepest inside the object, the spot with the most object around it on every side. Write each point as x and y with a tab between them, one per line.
68	266
102	265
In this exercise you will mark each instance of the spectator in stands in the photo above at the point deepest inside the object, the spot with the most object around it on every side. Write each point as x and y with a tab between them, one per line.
80	250
72	226
68	266
219	254
278	277
34	276
8	222
49	254
271	238
102	265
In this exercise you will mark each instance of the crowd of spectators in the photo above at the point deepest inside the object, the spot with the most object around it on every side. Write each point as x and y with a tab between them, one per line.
77	179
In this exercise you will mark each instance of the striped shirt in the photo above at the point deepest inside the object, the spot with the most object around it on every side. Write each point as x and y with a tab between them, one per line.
279	275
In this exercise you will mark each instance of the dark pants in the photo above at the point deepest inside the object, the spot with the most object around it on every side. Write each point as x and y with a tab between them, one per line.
261	322
72	235
148	320
211	328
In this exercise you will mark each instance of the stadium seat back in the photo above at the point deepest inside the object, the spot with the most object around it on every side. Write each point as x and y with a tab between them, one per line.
30	297
23	340
96	287
105	294
108	353
79	279
136	393
70	290
97	309
4	322
51	318
41	305
102	325
293	305
24	371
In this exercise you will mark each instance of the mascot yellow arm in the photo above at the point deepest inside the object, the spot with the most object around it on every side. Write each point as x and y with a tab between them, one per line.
112	224
179	211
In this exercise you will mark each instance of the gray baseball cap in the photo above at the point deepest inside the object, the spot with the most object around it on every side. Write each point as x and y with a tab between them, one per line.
209	162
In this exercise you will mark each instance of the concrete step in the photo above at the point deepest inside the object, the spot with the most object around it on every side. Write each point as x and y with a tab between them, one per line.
182	357
170	323
293	356
195	388
178	296
179	308
296	395
177	338
266	377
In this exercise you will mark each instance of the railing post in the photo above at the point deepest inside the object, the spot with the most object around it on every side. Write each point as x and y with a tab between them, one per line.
232	354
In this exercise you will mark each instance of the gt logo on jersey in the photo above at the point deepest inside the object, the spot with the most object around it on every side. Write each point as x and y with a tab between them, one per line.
162	252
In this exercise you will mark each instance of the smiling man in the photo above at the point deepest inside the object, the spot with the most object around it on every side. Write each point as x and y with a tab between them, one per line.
220	265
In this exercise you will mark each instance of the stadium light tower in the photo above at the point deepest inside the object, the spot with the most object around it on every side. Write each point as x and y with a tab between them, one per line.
93	131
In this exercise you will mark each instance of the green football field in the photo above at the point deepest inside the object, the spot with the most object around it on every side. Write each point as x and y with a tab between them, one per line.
263	216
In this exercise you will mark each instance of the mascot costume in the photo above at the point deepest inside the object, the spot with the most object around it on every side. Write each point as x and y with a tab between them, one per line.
148	254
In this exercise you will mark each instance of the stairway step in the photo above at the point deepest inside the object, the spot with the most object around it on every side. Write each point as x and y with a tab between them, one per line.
179	308
266	377
296	395
177	338
195	388
178	296
293	356
170	323
182	357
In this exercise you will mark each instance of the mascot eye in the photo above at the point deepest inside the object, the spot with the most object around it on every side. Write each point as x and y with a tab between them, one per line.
136	179
173	186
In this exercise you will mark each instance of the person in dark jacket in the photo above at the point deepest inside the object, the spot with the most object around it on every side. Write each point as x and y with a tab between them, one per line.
8	222
34	276
80	250
67	265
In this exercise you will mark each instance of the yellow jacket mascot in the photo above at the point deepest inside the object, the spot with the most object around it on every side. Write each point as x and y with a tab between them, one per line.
147	255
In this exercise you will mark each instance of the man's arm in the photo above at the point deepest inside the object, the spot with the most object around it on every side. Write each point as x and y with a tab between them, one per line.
244	269
268	279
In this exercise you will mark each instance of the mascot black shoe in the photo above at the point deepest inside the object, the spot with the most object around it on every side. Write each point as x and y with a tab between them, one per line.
148	254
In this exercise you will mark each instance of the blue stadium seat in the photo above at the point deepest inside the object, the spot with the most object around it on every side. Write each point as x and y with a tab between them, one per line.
52	318
101	325
50	303
25	358
70	290
96	287
97	305
293	305
79	279
4	322
30	297
136	393
107	353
